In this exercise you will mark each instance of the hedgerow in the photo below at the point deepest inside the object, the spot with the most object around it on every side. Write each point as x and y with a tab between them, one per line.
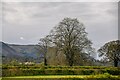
61	70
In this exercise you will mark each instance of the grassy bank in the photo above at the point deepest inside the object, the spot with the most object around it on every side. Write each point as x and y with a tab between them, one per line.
65	77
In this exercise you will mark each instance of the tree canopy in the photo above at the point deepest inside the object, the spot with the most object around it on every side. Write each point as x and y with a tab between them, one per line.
111	52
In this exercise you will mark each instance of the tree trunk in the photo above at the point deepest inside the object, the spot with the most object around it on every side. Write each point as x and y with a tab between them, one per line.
115	63
45	61
70	59
70	62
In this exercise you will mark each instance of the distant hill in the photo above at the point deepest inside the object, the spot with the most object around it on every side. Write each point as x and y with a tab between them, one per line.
20	53
9	53
30	52
26	50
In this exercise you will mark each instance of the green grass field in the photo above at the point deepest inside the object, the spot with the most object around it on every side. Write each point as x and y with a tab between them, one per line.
64	77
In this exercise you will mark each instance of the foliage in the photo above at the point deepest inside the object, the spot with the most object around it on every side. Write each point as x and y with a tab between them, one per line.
60	70
111	52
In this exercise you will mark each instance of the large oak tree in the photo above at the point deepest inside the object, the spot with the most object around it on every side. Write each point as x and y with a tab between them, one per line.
70	37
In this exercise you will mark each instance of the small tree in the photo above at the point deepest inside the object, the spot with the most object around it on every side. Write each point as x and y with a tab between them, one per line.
111	51
43	47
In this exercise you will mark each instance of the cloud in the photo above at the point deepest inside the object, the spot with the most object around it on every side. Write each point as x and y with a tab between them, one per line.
0	22
60	0
33	20
15	13
21	38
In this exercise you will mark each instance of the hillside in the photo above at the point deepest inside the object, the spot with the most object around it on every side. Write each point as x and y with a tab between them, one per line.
30	52
9	54
21	53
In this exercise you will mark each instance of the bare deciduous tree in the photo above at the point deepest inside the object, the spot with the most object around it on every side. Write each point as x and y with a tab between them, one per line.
43	47
69	36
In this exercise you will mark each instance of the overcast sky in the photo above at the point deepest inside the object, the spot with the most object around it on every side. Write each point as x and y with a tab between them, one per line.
27	22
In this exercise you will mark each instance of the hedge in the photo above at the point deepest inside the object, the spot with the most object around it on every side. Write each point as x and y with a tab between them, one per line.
58	67
32	72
